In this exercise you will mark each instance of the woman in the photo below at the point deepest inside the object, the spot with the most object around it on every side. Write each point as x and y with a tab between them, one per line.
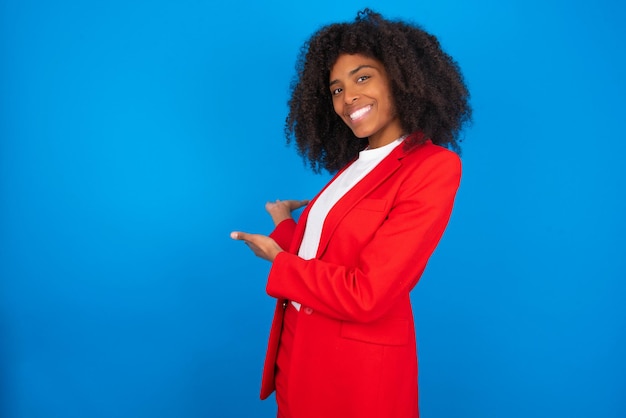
380	102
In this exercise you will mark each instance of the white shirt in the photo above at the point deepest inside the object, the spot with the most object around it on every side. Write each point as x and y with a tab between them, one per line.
368	159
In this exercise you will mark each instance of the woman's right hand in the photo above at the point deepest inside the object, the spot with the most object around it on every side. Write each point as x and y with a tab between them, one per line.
281	209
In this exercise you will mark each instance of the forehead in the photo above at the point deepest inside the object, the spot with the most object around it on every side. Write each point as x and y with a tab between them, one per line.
347	63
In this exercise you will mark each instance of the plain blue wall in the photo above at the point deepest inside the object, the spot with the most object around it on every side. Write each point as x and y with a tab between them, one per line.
136	135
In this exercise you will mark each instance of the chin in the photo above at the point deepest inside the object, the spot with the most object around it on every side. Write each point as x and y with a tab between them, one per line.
361	134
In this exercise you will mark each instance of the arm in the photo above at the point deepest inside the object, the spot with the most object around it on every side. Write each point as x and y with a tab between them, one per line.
283	233
267	247
280	211
390	264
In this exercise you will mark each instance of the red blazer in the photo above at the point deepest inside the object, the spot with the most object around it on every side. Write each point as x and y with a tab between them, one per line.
354	351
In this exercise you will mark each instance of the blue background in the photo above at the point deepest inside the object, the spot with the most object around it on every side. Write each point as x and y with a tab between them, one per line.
136	135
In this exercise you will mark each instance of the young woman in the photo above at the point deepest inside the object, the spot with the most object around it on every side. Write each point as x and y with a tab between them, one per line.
379	103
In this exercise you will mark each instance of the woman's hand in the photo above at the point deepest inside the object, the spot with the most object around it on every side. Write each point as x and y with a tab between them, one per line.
281	209
262	246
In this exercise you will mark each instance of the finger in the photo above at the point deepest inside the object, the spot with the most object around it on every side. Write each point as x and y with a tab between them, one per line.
274	203
239	236
296	204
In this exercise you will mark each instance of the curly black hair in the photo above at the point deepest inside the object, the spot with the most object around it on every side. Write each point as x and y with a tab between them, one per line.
427	86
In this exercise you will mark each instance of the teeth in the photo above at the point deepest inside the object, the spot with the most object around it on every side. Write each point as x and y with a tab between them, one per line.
360	112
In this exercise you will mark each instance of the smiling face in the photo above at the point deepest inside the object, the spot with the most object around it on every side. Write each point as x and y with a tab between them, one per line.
362	98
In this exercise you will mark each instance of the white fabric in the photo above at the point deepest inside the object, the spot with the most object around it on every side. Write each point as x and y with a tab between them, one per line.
368	159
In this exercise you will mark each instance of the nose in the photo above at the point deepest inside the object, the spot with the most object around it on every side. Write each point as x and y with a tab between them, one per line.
349	96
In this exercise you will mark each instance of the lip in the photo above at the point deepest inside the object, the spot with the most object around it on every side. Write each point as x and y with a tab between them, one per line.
358	114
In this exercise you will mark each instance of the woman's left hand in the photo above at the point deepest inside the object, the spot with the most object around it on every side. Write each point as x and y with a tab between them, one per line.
261	245
281	209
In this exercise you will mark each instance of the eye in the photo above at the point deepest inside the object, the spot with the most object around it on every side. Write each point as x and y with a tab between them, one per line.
362	78
336	91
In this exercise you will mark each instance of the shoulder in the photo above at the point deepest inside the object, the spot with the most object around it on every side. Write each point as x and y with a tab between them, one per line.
431	157
429	171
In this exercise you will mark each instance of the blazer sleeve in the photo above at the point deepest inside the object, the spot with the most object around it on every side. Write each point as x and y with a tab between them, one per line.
390	264
283	233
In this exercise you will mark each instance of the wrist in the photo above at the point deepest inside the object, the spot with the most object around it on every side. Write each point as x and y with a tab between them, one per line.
276	255
279	218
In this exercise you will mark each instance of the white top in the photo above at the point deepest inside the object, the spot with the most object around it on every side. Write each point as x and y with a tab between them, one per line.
368	159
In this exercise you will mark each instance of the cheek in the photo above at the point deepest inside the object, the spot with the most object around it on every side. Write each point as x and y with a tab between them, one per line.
337	108
390	106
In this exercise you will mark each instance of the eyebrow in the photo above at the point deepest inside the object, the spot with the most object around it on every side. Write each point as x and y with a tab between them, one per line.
352	72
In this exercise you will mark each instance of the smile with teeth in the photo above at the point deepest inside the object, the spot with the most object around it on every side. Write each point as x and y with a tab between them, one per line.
360	113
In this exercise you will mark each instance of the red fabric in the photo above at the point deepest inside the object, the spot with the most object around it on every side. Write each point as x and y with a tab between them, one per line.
354	352
283	360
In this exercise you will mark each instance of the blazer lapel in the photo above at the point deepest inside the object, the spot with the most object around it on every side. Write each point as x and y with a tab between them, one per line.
299	232
301	225
381	172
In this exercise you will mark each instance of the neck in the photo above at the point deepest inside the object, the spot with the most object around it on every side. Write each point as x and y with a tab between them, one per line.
374	142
